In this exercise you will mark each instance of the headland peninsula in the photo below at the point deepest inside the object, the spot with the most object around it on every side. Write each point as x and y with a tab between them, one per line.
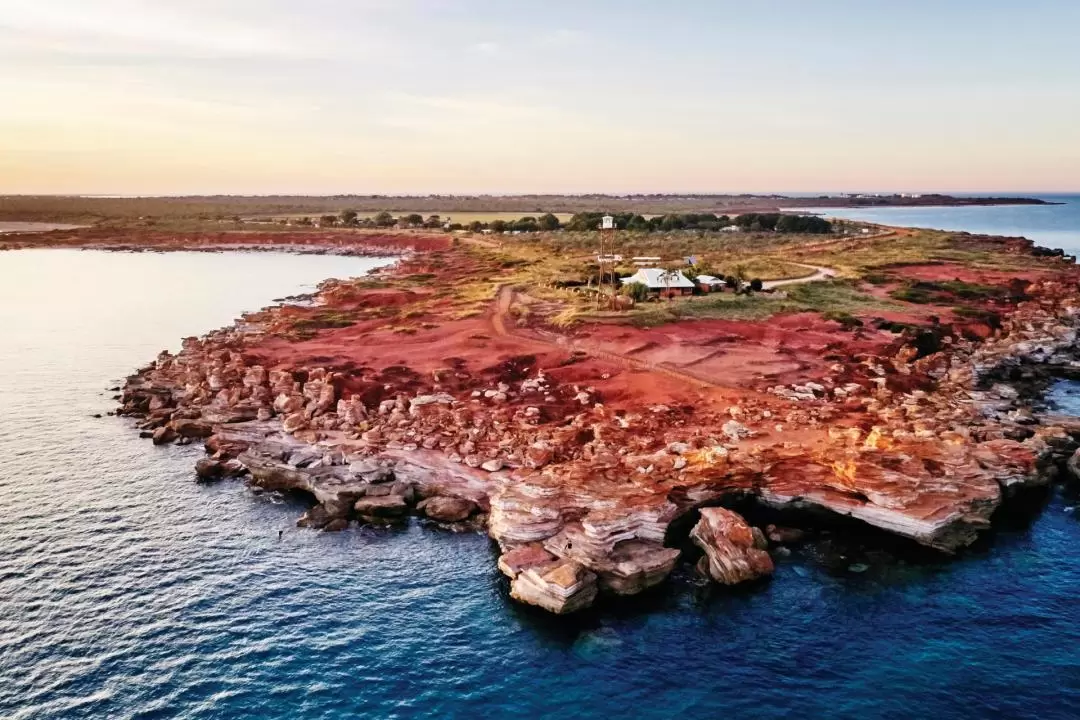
692	385
189	211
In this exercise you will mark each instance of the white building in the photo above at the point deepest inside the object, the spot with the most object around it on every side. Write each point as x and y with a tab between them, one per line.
665	282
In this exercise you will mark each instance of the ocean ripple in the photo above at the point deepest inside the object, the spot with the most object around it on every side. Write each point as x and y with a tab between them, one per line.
129	591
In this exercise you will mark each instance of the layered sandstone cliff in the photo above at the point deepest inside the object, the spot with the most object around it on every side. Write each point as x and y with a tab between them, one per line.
580	494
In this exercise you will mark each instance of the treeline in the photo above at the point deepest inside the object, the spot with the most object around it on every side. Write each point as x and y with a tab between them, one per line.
708	222
350	218
778	222
584	222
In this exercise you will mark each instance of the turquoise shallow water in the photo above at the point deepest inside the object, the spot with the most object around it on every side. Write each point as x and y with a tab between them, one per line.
128	591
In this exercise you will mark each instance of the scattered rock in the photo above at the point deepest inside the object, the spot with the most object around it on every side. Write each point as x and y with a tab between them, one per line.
164	435
192	429
386	507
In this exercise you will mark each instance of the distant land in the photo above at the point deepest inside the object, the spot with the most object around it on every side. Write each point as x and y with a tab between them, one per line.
91	209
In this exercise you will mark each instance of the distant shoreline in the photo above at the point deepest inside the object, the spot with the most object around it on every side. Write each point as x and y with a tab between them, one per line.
201	209
34	227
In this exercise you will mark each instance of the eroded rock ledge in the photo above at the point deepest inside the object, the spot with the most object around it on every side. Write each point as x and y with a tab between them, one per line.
580	494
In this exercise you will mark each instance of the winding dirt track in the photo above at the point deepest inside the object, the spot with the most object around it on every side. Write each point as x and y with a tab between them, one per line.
820	273
504	298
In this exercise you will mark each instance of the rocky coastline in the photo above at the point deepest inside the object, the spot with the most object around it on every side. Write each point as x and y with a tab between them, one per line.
582	493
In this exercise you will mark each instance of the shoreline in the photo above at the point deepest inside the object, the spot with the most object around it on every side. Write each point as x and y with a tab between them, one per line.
580	491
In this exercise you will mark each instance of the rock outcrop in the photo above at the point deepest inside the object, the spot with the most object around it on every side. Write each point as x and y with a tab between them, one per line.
734	552
580	494
556	585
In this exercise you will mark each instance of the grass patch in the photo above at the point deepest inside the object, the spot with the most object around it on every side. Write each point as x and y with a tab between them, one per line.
925	292
989	317
847	320
731	307
324	320
836	296
838	300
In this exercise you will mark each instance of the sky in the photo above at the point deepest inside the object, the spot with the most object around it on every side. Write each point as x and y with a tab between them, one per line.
547	96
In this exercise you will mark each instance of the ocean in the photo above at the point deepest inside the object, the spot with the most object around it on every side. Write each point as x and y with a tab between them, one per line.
1055	226
129	591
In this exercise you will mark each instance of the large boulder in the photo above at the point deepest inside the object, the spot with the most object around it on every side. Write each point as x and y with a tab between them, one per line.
324	517
561	587
447	509
381	509
210	469
513	562
163	435
192	429
734	551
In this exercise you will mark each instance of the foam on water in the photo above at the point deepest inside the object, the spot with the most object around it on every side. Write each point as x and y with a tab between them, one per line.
128	591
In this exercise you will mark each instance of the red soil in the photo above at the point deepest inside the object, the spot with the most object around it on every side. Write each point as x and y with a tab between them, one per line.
732	354
984	276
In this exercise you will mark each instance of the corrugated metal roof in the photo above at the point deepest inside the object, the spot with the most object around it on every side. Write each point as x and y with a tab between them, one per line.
659	279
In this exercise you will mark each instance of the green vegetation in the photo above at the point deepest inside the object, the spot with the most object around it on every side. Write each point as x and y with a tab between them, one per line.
837	300
991	318
809	224
847	320
708	222
926	292
638	292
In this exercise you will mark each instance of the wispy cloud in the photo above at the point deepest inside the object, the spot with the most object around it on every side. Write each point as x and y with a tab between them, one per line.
485	48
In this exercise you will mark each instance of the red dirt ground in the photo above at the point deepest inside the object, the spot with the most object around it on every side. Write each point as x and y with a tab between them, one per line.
983	276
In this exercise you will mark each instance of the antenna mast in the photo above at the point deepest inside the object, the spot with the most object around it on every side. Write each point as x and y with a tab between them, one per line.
607	238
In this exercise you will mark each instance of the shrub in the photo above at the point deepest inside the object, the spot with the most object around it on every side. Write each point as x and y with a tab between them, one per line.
847	320
756	285
548	222
639	292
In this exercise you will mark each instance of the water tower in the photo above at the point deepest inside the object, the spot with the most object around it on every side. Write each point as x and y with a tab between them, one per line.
606	256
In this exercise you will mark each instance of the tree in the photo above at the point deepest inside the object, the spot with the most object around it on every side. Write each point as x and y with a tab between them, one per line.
433	221
498	226
549	223
476	226
414	220
671	222
639	292
348	217
639	223
384	219
525	224
756	285
583	222
328	220
732	282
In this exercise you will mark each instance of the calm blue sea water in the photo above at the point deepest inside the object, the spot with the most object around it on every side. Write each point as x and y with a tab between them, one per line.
1056	226
127	591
